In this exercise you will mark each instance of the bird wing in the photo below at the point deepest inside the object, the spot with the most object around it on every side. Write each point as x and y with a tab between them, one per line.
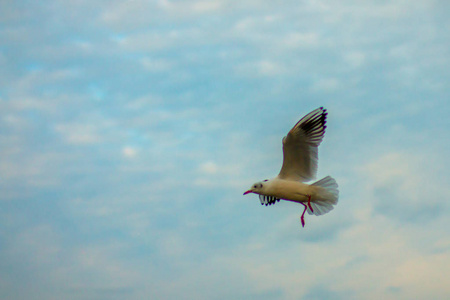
268	200
300	147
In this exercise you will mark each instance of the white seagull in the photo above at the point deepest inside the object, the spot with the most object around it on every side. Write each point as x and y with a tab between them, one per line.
300	148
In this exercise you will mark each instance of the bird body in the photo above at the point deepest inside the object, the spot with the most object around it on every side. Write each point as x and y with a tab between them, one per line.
295	191
321	195
300	155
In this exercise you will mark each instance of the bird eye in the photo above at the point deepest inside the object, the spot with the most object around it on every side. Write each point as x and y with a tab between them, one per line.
255	186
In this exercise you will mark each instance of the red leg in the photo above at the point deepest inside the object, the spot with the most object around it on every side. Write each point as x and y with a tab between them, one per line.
309	203
302	218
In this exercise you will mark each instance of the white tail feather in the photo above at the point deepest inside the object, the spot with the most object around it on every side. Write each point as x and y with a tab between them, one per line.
325	197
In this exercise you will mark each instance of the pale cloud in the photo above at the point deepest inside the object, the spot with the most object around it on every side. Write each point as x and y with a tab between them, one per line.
301	40
206	6
253	23
129	152
212	174
418	275
156	65
269	68
208	167
325	85
261	68
149	41
79	134
410	180
118	13
42	240
355	59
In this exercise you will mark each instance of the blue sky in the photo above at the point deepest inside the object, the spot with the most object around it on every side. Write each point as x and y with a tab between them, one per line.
130	129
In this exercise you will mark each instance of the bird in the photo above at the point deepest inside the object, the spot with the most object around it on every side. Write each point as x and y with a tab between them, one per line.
300	156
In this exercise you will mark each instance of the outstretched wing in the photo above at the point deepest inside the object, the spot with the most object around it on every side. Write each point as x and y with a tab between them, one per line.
268	200
300	147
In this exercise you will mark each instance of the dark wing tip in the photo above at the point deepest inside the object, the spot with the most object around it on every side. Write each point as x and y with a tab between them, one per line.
313	125
268	200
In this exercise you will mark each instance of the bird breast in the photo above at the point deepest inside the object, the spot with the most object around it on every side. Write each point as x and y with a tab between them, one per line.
289	190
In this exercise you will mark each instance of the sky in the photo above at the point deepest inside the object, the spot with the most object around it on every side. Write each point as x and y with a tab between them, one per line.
130	129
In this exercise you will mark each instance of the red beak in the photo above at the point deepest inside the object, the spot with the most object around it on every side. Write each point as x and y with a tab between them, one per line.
249	191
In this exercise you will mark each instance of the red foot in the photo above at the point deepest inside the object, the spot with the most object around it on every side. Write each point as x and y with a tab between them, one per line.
302	218
309	203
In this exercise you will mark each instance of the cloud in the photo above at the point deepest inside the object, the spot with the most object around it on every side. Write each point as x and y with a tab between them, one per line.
432	269
129	151
326	85
409	180
78	133
208	168
260	69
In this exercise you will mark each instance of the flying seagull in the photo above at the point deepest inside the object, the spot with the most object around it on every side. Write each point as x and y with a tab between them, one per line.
300	148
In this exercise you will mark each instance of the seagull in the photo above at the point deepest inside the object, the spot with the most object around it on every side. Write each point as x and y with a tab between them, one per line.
300	155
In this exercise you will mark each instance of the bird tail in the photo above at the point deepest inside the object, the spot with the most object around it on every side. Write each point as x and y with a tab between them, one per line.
325	197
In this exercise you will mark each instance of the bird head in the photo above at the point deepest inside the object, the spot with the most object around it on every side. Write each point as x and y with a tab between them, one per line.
256	188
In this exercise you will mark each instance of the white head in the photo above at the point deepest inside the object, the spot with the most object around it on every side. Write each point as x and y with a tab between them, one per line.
257	188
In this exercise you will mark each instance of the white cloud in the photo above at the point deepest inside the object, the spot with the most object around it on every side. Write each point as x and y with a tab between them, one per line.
325	85
269	68
421	276
261	68
79	133
403	183
129	152
208	168
206	6
145	13
301	40
355	59
156	65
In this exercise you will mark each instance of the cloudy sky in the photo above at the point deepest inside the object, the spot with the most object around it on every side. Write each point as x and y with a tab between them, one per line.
130	129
